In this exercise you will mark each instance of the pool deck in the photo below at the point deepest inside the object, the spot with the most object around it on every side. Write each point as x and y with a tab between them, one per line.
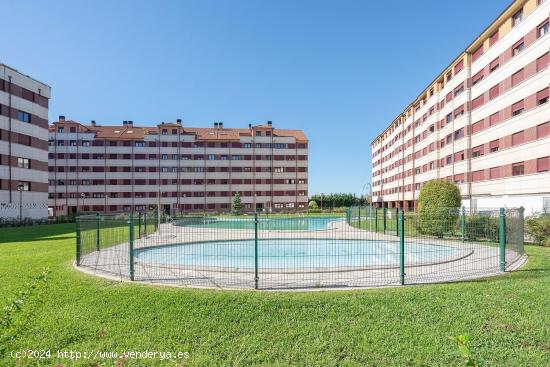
471	260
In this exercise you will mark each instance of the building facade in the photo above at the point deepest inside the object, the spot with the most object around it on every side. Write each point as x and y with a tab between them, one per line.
482	123
181	169
23	145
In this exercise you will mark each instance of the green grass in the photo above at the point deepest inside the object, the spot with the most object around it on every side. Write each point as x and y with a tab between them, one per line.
506	317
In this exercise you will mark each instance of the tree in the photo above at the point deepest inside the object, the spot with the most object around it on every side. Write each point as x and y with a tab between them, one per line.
237	206
313	205
438	207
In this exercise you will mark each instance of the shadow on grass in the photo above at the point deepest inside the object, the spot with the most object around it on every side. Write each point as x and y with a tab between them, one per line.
37	233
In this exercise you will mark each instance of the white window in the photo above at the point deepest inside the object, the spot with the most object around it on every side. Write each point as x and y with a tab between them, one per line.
25	186
23	163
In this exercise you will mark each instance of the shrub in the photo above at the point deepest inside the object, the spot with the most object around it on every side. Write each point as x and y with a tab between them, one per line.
312	205
438	207
538	227
481	227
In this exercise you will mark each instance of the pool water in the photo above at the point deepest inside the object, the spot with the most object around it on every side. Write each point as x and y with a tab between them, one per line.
272	223
295	253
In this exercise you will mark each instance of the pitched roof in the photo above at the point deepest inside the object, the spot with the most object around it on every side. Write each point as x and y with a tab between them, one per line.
202	133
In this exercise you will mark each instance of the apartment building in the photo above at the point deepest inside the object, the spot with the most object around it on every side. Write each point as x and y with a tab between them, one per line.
179	168
482	123
23	145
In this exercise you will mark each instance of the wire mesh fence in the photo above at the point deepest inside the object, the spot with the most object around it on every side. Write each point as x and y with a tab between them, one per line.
364	247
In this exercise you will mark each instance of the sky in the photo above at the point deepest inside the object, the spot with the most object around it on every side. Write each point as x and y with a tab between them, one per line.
339	70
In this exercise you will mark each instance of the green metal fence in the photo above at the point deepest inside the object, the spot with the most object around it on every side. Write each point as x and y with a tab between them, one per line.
364	247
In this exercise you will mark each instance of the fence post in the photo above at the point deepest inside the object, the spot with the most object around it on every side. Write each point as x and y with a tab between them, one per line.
385	211
462	223
375	219
502	239
521	228
359	215
256	250
131	245
145	223
97	240
397	221
139	224
78	240
156	219
402	248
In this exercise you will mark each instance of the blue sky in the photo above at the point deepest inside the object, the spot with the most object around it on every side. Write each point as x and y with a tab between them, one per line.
339	70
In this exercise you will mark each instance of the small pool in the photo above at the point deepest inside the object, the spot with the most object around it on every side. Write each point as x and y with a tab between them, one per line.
271	223
296	254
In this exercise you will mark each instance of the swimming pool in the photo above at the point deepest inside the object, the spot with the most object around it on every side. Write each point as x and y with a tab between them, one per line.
271	223
303	253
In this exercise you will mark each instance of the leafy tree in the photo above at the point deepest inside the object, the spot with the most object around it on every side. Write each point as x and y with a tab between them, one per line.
237	206
336	200
438	207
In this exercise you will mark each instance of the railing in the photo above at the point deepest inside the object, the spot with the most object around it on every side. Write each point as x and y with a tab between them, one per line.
364	247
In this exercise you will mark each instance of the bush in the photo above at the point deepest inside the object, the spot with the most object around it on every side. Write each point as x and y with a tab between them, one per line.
438	207
481	227
538	227
312	205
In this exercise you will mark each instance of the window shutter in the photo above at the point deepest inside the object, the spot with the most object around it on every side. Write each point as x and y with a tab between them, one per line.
542	62
494	119
543	130
517	77
493	92
493	144
542	94
477	102
543	164
517	106
494	172
493	38
518	138
477	53
494	64
477	77
478	126
478	175
459	66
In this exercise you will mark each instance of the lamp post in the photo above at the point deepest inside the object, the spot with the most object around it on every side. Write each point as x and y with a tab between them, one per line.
20	188
369	185
83	196
183	209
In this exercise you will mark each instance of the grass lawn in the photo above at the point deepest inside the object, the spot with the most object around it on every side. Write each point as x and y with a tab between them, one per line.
507	318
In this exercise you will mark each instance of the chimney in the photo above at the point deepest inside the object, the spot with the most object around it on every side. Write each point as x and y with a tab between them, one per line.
93	123
178	121
250	126
269	123
215	125
61	118
124	123
130	123
220	125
